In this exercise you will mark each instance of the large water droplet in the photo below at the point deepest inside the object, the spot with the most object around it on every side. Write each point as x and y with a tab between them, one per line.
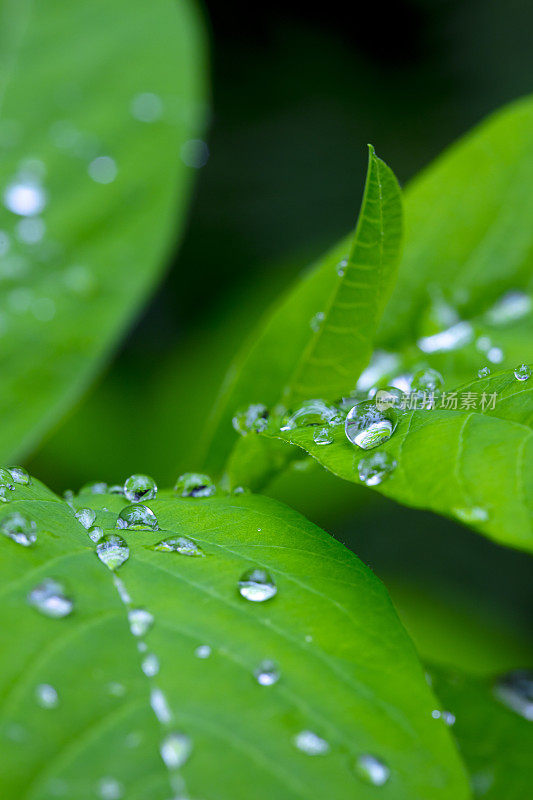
19	528
46	696
112	550
311	412
49	598
372	770
86	516
311	744
110	789
522	373
95	533
20	475
175	749
140	621
253	418
179	544
267	673
375	468
323	436
257	585
140	487
389	397
194	484
515	690
137	517
367	426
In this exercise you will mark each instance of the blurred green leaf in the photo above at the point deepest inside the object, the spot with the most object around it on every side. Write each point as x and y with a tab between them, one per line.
99	102
495	742
474	463
331	625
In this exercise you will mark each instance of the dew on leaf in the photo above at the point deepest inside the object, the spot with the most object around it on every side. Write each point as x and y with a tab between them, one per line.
257	585
427	380
6	479
175	749
179	544
310	412
253	418
375	468
50	599
515	690
522	372
484	372
140	621
194	484
371	770
86	517
389	397
323	436
95	533
46	695
367	427
341	267
140	487
20	475
311	744
267	673
137	517
112	550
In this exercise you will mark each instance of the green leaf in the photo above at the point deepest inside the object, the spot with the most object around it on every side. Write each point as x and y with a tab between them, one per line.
348	672
495	742
78	80
472	463
287	361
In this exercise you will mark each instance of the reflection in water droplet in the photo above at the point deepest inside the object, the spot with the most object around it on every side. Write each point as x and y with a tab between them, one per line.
515	690
112	550
311	744
20	475
49	598
95	533
522	373
375	468
203	651
389	397
311	412
267	673
483	372
253	418
371	770
367	426
86	516
46	695
179	544
140	621
137	517
472	514
150	665
323	436
140	487
257	585
26	198
110	789
146	107
175	749
453	338
194	484
102	169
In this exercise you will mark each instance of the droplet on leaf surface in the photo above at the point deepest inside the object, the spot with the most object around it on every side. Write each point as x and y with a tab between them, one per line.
367	427
257	585
137	517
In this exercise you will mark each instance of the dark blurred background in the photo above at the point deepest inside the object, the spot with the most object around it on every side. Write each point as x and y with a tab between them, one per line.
297	92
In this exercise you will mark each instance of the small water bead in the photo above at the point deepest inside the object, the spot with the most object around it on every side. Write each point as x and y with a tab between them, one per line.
367	427
253	418
371	770
427	380
181	545
375	468
311	744
112	550
202	651
49	598
110	789
150	665
317	320
522	373
257	585
175	749
6	479
46	696
341	267
95	533
20	475
267	673
194	484
137	517
311	412
140	487
86	517
19	528
484	372
323	436
515	690
140	621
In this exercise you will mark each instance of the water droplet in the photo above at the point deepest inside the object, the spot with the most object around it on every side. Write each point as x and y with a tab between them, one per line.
102	169
110	789
140	487
389	397
427	380
371	770
49	598
20	475
46	696
179	544
175	750
495	355
194	484
484	372
137	517
448	718
311	412
253	418
159	704
19	528
150	665
95	533
522	373
195	153
435	714
323	436
203	651
453	338
26	197
140	621
375	468
512	306
472	514
146	107
367	427
86	517
317	320
311	744
112	550
257	585
267	673
7	485
515	690
341	267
